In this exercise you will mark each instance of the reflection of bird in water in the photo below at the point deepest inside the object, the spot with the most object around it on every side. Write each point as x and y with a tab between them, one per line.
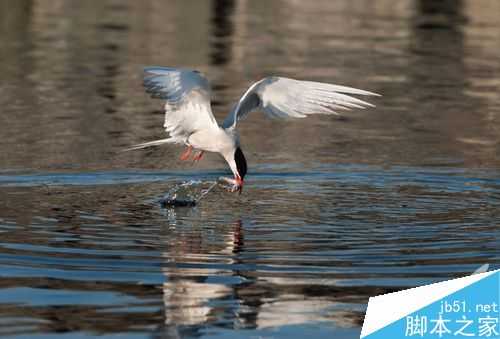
189	119
190	292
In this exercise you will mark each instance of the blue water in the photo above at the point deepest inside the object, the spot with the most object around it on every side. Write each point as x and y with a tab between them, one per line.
298	254
334	209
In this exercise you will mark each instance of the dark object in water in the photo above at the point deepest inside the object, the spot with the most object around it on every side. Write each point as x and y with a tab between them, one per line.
187	194
169	202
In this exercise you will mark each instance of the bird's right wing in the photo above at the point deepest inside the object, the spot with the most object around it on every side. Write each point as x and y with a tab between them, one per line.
187	102
288	98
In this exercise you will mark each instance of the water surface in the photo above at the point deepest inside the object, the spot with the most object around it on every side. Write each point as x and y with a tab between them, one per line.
335	210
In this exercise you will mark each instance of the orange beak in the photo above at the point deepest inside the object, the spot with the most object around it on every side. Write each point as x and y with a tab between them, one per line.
239	183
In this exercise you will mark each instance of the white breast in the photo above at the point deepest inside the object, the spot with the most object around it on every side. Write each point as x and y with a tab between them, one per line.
212	140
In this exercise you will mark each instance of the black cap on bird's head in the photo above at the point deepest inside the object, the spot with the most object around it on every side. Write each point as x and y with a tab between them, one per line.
241	168
241	163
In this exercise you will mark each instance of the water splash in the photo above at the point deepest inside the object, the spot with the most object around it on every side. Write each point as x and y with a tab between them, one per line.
188	193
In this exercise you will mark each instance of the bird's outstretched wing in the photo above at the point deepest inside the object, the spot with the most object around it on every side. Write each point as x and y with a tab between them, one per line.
289	98
187	106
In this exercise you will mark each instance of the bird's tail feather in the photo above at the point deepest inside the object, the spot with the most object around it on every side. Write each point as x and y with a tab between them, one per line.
150	143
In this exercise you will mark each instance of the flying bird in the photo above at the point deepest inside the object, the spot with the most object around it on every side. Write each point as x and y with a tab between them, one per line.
189	120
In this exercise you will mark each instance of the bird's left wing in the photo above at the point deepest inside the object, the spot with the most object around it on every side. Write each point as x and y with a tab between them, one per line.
288	98
187	100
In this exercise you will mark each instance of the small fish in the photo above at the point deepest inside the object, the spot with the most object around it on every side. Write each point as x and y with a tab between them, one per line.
234	186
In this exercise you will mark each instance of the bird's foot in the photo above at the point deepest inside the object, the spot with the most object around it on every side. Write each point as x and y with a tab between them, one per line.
198	156
185	155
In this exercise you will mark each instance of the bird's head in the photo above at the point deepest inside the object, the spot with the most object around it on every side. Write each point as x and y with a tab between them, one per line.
238	165
241	168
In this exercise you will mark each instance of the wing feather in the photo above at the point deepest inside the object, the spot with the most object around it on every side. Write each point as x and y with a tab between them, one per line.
288	98
187	100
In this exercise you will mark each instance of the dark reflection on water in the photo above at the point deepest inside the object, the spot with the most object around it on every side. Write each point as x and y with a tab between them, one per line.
334	210
221	31
297	249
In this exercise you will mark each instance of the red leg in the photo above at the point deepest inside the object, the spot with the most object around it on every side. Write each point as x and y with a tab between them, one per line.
198	156
185	155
